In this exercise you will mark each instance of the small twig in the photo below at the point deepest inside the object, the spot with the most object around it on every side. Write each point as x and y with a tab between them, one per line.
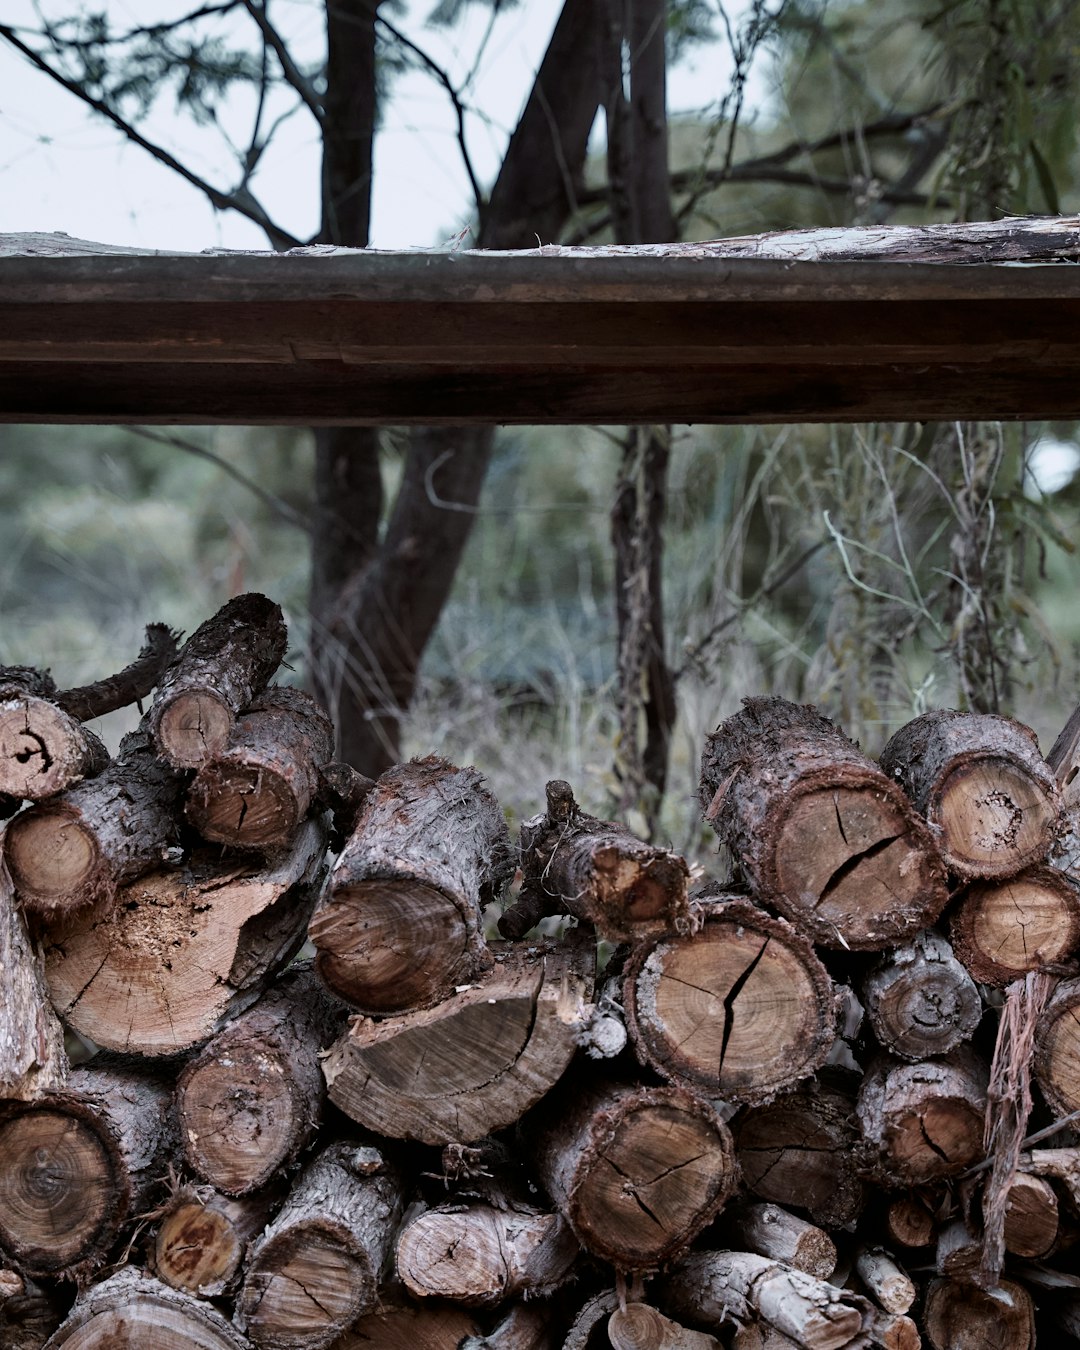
129	685
1073	1118
292	72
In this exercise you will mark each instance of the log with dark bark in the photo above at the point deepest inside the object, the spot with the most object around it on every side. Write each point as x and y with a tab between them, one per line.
133	1309
820	832
1003	929
252	1098
478	1061
130	685
924	1121
317	1266
32	1056
74	1165
741	1009
639	1327
638	1171
597	871
219	670
783	1236
343	792
1057	1049
201	1236
399	924
958	1315
79	848
980	781
920	1000
29	1313
43	749
255	791
182	950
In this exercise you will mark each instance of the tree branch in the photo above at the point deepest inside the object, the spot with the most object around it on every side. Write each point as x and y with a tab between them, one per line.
292	72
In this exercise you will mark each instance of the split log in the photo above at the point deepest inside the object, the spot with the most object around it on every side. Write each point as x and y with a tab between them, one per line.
599	872
803	1150
638	1171
740	1010
77	849
1003	929
182	950
982	784
32	1056
227	661
252	1098
639	1327
131	1308
400	1324
920	1000
711	1288
399	925
29	1314
201	1237
483	1254
821	833
43	750
885	1282
478	1061
1057	1049
317	1266
783	1236
1031	1216
924	1121
255	791
959	1315
75	1164
910	1222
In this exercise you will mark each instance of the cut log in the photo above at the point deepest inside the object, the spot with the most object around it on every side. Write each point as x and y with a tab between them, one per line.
478	1061
1057	1049
638	1171
803	1151
920	1000
79	848
399	925
201	1236
32	1056
959	1315
818	829
127	686
481	1255
982	784
597	871
761	1336
711	1288
1061	1163
317	1266
639	1327
909	1222
251	1099
588	1331
75	1164
182	950
43	749
133	1309
924	1121
740	1010
400	1324
892	1331
959	1250
885	1282
1003	929
783	1236
1031	1216
255	791
227	661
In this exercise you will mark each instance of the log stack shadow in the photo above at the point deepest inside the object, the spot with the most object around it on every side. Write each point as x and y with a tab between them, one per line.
825	1100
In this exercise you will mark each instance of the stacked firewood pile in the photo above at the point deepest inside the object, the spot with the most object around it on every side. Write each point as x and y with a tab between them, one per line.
802	1107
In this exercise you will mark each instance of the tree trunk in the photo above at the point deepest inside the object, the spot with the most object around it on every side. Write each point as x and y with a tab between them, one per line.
399	925
317	1267
252	1098
597	871
740	1010
478	1061
820	832
920	1000
1057	1049
782	1236
32	1056
201	1237
257	789
1003	929
960	1316
227	661
182	950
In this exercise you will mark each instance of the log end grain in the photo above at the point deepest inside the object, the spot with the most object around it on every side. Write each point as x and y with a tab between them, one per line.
192	726
1057	1049
55	861
42	749
197	1248
996	816
247	806
958	1315
1003	929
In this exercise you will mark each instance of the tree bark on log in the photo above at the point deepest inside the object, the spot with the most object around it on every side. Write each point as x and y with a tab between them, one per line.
1057	1049
597	871
77	849
588	1331
32	1055
133	1309
252	1098
483	1254
920	1000
771	1231
201	1237
317	1266
257	789
75	1164
924	1121
741	1009
182	950
127	686
29	1314
818	829
983	786
399	925
43	749
638	1171
639	1327
958	1315
478	1061
885	1282
227	661
1002	929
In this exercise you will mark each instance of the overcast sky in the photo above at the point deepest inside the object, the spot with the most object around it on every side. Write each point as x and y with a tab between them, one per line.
62	168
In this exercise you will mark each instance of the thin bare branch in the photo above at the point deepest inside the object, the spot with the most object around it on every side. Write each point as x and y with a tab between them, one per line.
292	72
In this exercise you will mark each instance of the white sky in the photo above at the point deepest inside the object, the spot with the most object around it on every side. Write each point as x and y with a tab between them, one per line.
63	168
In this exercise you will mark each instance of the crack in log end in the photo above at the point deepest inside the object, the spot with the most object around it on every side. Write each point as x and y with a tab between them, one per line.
930	1143
737	986
629	1188
849	865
